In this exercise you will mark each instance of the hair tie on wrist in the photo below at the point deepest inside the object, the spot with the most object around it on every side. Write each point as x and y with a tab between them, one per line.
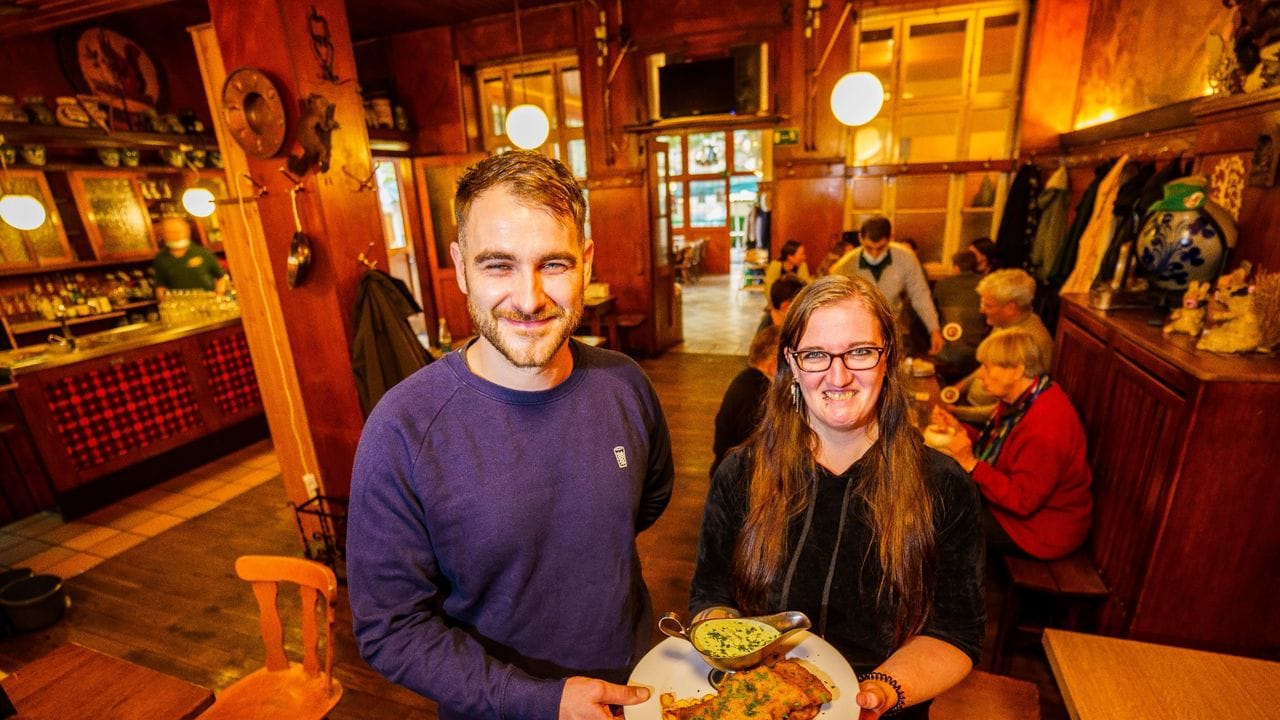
892	682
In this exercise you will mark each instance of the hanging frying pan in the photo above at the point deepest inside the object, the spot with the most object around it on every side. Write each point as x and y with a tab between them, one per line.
299	259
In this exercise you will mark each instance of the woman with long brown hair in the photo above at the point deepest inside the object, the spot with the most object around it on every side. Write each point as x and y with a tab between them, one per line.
835	507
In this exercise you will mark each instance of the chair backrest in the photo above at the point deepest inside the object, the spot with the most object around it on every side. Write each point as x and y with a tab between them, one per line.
265	573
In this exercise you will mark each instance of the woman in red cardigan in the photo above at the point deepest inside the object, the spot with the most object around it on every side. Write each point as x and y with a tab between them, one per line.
1029	460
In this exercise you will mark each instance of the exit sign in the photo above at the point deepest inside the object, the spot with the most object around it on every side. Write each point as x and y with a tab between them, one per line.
786	136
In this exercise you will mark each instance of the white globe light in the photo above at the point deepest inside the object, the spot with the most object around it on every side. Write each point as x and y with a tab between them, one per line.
198	201
856	98
24	212
527	126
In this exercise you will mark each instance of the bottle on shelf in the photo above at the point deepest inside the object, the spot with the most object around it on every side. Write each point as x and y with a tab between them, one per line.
446	340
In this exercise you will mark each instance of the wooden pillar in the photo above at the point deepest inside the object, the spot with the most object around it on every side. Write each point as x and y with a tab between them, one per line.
301	336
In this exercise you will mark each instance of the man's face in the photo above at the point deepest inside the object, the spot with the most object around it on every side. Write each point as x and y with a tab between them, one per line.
174	230
997	314
523	275
875	248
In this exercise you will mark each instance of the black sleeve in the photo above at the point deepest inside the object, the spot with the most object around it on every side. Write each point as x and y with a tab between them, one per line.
959	612
722	519
740	411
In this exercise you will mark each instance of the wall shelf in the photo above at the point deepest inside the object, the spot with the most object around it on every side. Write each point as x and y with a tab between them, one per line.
92	137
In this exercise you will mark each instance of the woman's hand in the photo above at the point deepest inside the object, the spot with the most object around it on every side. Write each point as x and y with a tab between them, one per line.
940	417
874	699
961	448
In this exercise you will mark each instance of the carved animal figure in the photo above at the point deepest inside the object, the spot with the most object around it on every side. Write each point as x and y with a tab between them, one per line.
1233	321
1189	319
314	130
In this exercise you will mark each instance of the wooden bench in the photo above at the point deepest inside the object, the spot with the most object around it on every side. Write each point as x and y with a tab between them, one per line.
989	697
1071	583
621	325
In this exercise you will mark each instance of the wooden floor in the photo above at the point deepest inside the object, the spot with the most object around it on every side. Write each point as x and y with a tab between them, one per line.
173	602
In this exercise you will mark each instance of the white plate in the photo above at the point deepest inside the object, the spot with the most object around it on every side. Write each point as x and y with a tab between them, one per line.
675	667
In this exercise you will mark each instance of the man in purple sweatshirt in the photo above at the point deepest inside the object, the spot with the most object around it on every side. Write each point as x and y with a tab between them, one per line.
497	493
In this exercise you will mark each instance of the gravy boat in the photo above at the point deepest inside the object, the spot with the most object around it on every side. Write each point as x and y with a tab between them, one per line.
786	623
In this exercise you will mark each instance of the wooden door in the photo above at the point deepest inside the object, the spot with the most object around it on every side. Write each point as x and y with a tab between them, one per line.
666	311
437	180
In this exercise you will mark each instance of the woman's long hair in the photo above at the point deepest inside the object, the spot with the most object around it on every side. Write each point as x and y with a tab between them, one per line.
783	473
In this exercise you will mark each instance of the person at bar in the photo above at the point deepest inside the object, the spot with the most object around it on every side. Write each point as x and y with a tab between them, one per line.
743	401
1029	460
791	261
497	493
181	264
834	507
896	271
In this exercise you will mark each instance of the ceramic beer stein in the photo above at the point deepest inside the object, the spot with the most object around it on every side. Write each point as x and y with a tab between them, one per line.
109	156
33	155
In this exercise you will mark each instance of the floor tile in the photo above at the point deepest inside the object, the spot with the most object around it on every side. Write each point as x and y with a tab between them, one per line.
196	506
18	555
7	541
93	537
144	498
167	502
226	491
203	487
132	518
36	525
115	545
45	559
59	535
74	565
255	478
157	525
181	483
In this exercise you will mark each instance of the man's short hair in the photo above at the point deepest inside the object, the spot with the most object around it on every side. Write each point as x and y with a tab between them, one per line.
876	227
965	261
535	180
783	289
764	345
1011	285
1010	348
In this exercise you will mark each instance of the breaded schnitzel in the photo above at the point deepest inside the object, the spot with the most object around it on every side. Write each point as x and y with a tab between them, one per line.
783	691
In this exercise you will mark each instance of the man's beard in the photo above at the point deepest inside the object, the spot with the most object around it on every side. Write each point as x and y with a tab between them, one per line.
527	349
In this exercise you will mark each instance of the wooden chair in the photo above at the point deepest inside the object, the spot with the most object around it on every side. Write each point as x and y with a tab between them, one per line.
989	697
284	689
1071	585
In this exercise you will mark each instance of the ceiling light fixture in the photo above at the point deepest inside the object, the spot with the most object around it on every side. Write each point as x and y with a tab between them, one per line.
527	124
857	98
22	211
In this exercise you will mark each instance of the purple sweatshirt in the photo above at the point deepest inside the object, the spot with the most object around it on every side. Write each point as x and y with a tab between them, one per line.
491	533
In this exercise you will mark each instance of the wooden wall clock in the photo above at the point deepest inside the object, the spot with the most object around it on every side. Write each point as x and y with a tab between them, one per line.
254	111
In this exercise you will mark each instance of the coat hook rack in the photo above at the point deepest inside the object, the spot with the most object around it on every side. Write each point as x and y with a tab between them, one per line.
297	181
366	184
364	259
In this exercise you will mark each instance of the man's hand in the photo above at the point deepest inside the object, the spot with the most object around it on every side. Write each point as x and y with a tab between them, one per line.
935	342
589	699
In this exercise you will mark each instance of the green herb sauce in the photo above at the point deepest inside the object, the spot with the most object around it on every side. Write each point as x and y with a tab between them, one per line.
732	637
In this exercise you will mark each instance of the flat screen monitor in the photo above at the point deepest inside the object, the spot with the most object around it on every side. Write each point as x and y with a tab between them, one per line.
703	87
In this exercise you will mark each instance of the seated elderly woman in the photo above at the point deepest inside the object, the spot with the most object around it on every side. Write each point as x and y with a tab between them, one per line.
1029	460
834	507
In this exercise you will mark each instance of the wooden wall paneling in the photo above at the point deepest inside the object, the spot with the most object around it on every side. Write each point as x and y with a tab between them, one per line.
254	271
544	30
808	209
1055	50
1079	355
436	179
618	218
340	219
429	86
676	24
1219	548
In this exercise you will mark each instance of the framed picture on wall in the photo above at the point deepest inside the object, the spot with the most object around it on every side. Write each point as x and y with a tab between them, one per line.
1266	155
115	214
115	68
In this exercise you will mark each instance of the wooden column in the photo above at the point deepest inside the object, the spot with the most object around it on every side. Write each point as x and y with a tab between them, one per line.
301	336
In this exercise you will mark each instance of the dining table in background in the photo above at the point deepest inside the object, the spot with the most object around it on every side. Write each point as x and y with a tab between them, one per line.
74	681
1104	678
598	312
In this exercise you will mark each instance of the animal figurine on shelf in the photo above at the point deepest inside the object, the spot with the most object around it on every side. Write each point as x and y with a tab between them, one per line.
1233	322
1189	319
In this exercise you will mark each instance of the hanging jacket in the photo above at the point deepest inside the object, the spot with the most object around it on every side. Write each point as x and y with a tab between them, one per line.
1066	258
1093	242
1125	226
1018	221
1053	202
384	350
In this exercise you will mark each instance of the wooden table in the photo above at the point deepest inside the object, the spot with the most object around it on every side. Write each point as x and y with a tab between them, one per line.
76	682
599	314
1106	678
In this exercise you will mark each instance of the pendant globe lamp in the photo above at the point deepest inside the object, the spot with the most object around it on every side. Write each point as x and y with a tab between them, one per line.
20	210
857	98
527	124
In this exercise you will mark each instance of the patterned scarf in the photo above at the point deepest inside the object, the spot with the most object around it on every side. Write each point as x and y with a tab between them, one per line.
1005	418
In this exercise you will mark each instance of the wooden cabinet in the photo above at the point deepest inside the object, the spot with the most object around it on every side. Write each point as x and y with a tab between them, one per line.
115	214
45	245
1180	443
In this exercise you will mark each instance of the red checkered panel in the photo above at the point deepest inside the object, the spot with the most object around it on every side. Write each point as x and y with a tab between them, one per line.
117	409
231	376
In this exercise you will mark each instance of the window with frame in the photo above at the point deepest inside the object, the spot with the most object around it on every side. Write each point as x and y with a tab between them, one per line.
951	77
553	84
714	182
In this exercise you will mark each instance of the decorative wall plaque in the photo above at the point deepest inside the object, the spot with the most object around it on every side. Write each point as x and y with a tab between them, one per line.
254	111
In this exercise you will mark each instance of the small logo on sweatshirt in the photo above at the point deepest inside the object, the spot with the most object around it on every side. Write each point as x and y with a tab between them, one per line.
620	454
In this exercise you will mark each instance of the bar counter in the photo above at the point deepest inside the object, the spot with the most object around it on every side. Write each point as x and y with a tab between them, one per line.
139	393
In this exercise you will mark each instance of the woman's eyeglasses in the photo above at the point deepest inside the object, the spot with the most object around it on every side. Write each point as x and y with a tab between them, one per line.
859	358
